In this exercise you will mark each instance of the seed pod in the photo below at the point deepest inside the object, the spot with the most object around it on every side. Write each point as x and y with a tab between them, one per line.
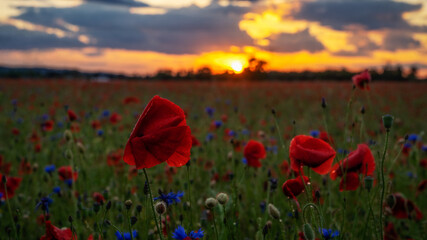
273	211
211	203
128	204
81	147
68	135
388	121
308	232
369	182
160	208
222	198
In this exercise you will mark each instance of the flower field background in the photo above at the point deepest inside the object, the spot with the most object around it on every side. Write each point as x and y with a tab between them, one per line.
62	145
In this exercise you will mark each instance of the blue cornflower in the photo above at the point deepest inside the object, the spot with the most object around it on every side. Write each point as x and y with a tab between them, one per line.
100	132
232	133
181	235
246	132
45	202
105	113
413	137
218	123
407	145
244	161
424	148
45	117
14	102
209	137
57	189
272	149
49	168
170	197
19	120
342	151
210	111
1	195
314	133
126	235
60	124
328	234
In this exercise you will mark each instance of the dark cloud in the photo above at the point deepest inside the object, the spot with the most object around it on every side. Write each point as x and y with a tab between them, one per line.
12	38
287	42
398	40
178	31
127	3
368	14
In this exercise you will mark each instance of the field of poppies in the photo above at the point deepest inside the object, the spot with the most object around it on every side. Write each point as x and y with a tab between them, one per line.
213	160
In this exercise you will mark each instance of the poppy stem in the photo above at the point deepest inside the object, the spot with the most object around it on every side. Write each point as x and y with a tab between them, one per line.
152	204
216	230
189	196
129	225
10	210
383	182
280	135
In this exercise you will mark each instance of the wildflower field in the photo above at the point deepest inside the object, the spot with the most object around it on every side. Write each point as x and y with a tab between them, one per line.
223	160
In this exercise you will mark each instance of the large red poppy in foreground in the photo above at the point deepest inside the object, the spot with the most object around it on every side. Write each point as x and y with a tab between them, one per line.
357	162
160	135
311	152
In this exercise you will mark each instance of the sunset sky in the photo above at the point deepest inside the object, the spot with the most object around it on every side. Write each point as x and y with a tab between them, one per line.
140	37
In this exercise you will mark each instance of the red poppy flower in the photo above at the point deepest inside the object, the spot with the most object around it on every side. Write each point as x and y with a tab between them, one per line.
54	233
15	131
115	118
37	147
390	232
360	161
129	100
403	208
253	152
75	127
4	167
66	173
312	152
293	187
284	167
98	197
34	137
326	137
160	135
421	187
25	167
114	158
12	183
72	116
362	80
48	126
95	124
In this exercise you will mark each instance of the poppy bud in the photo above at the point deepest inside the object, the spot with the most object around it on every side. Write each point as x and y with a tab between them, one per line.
68	135
273	211
3	179
108	222
273	111
139	208
146	188
362	110
388	121
369	182
128	204
160	208
70	219
133	220
323	103
267	227
108	206
308	232
222	198
81	147
211	203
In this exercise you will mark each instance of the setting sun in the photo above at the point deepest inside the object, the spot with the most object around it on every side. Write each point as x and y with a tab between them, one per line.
237	66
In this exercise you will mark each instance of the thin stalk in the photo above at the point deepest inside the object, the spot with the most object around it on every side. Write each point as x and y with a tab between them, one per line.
383	183
129	225
189	196
152	205
216	230
10	210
